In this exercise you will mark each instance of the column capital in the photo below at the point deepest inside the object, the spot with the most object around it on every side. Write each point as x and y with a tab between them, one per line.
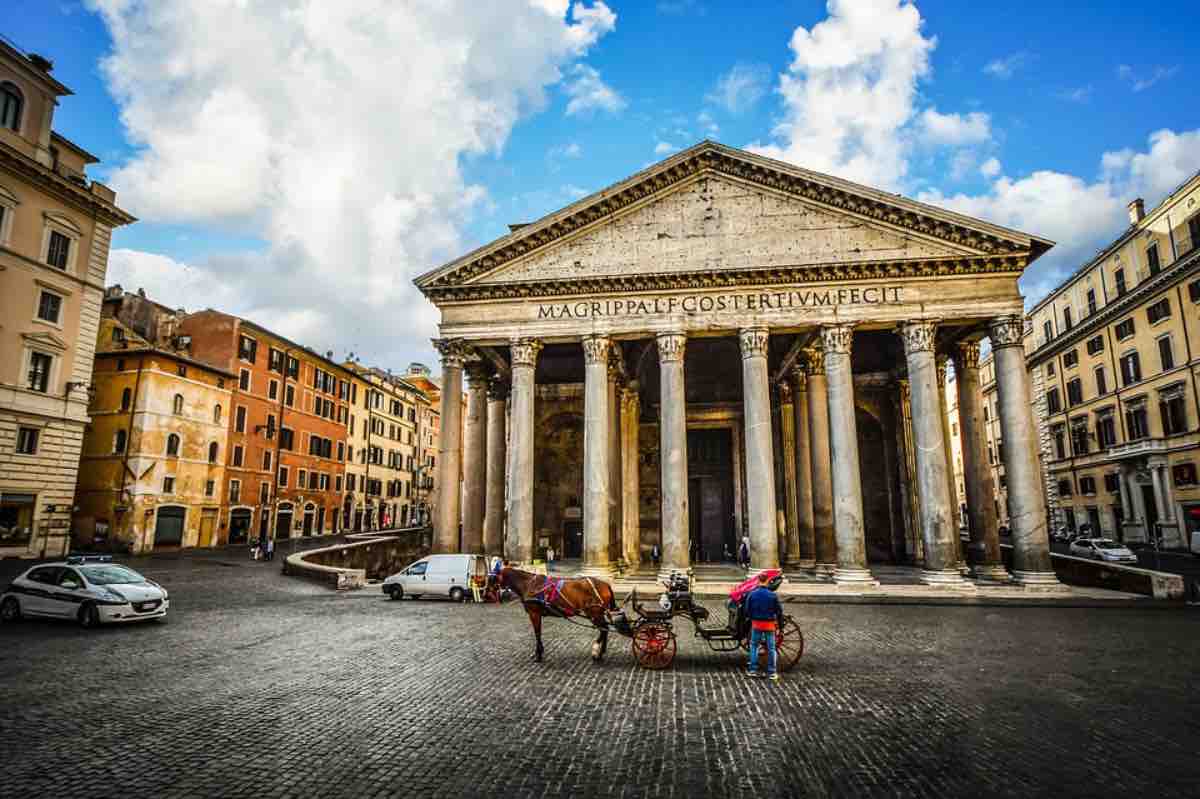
785	393
596	349
616	363
966	355
1006	331
478	373
918	336
814	359
525	351
454	351
837	339
630	400
671	346
799	377
754	341
498	389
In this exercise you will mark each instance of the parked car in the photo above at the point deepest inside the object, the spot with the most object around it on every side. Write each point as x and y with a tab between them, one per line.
1194	544
1104	549
92	590
436	575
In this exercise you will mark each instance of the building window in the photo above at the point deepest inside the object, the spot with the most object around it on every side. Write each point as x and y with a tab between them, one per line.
239	421
235	491
274	360
237	455
283	476
1119	279
264	493
177	405
1087	486
119	441
1174	413
1152	259
289	396
49	307
1047	330
181	370
1131	368
1091	301
1125	329
1068	323
1106	431
1159	311
10	107
244	380
1095	345
1135	422
1101	381
168	485
1071	359
173	446
302	479
1053	404
1075	392
270	426
1165	355
212	452
126	398
287	439
337	483
1065	489
210	488
1060	445
27	440
1079	438
58	250
247	348
217	414
1184	474
39	371
293	368
1112	482
273	389
1194	286
266	460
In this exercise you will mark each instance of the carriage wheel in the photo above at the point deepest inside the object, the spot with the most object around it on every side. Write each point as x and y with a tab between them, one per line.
789	646
654	646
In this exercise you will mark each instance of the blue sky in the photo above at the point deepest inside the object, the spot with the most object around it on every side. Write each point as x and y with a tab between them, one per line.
291	163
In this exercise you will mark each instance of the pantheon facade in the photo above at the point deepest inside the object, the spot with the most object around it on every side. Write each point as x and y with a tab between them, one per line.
725	346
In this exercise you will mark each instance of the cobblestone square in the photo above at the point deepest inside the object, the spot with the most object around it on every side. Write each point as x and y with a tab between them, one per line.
261	686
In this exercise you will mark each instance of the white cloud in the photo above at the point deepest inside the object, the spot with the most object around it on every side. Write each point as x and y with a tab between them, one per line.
1143	82
337	143
990	168
707	124
589	92
850	90
1005	67
955	129
1078	94
741	87
665	148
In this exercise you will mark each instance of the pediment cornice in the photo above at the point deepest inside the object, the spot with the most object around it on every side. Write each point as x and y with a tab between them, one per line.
709	158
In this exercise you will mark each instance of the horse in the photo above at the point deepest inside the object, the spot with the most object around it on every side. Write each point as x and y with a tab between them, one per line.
562	597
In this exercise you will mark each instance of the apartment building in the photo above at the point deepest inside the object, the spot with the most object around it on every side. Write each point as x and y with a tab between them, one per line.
55	226
1113	358
428	439
153	462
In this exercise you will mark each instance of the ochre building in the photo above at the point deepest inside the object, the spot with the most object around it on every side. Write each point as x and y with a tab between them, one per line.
627	357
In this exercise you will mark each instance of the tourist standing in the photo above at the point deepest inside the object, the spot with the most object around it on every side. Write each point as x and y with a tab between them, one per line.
764	610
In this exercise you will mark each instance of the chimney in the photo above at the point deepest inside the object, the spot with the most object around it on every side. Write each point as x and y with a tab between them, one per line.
1137	211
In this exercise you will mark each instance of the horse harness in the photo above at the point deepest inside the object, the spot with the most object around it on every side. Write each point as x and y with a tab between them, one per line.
551	591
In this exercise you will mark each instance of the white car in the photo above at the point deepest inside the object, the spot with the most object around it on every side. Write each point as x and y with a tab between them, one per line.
90	590
437	575
1104	549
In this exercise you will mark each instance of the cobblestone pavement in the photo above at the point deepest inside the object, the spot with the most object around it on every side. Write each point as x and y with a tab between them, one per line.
263	686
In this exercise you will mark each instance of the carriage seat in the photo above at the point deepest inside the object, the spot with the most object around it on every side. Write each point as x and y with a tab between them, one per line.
656	615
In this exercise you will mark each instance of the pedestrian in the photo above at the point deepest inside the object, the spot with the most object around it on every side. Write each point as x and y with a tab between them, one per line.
744	552
655	555
549	559
270	548
764	610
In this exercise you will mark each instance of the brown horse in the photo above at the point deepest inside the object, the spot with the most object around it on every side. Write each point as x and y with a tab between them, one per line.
562	597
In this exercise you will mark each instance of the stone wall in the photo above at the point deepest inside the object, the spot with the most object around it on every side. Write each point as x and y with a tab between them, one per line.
1095	574
365	557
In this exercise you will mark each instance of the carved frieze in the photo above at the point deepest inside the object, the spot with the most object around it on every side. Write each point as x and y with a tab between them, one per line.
919	336
596	349
754	341
525	352
1006	331
837	339
671	347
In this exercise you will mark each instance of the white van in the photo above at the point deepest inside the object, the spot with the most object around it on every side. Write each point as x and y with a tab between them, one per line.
436	575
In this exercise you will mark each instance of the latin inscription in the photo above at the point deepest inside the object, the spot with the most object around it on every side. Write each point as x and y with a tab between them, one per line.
710	303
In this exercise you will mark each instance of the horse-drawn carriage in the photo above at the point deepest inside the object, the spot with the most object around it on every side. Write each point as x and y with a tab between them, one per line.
652	632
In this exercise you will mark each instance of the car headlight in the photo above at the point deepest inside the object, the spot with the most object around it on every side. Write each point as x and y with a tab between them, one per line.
112	596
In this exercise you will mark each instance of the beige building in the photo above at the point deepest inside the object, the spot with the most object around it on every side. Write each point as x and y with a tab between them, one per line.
153	466
1115	354
639	333
428	438
55	227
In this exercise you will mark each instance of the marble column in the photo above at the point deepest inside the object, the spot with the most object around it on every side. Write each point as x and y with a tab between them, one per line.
987	562
475	458
519	546
631	528
938	532
449	466
943	362
760	462
614	453
806	545
596	444
848	527
1026	505
497	456
825	545
672	426
1160	504
787	424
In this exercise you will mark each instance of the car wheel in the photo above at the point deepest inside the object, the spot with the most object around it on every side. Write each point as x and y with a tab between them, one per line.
10	610
396	591
457	594
88	617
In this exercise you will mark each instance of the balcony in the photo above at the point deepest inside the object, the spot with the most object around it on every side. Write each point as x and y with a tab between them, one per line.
1134	449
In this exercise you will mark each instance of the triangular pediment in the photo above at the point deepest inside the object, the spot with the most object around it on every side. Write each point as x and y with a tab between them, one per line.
715	210
44	339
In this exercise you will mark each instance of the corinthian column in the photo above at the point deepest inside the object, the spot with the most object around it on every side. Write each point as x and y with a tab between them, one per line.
977	477
943	362
475	458
825	549
497	446
596	446
804	483
449	469
937	520
672	427
1026	509
843	441
760	462
631	528
787	425
615	370
520	487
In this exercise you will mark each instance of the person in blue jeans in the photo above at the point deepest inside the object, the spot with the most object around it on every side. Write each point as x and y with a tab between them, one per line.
764	610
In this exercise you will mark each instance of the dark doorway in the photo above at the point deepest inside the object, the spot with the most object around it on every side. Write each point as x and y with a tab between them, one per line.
573	539
283	523
321	520
168	530
710	495
264	523
1151	511
874	476
239	526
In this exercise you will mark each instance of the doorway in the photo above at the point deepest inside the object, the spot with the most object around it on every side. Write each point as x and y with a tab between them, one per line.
168	529
208	526
1151	512
321	520
283	522
239	525
309	516
710	495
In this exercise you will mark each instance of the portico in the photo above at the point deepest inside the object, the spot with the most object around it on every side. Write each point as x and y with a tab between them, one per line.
650	335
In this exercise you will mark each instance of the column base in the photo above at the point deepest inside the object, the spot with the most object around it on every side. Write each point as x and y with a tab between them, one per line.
964	569
854	575
604	571
800	564
1038	581
824	569
992	572
945	577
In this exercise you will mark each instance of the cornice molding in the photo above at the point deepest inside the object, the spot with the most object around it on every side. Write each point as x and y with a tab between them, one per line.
48	181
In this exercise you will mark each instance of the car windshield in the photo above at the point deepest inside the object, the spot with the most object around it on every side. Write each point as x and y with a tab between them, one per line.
111	574
1108	544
